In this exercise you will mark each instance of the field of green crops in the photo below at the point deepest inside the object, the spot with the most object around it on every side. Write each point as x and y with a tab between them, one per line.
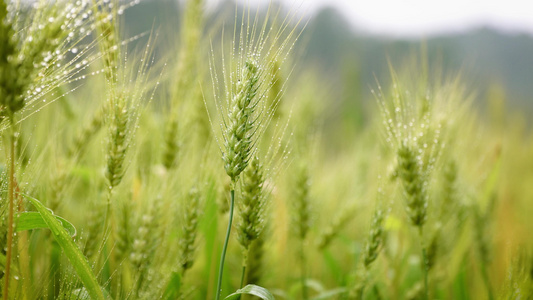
223	167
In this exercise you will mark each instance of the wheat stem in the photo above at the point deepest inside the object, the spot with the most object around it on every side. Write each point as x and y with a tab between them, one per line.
244	264
243	275
425	265
225	247
10	224
302	257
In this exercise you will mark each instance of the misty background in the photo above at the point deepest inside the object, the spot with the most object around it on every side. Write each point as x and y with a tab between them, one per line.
495	59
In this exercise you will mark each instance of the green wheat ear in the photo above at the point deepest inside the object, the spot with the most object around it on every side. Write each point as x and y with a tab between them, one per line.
414	185
12	86
375	238
239	133
252	205
301	203
189	230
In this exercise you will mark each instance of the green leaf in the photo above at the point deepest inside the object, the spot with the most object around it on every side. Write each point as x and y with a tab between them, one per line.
71	250
33	220
254	290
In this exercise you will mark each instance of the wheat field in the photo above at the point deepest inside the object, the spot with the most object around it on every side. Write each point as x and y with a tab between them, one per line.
219	168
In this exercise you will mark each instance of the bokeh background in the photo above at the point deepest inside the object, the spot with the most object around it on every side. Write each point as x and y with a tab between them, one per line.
352	42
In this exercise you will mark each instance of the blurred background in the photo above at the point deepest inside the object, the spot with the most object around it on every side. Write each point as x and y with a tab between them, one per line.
351	42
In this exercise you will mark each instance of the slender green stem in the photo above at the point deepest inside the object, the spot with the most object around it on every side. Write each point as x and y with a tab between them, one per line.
302	257
244	264
223	256
242	276
425	263
11	194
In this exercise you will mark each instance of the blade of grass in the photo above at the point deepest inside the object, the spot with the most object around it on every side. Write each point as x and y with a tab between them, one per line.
33	220
71	250
254	290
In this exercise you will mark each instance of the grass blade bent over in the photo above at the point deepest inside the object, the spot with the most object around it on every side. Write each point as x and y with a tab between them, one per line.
71	250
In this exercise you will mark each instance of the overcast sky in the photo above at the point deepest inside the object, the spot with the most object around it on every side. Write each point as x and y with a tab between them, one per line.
424	17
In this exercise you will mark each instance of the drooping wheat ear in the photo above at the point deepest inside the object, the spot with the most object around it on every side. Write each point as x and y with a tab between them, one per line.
414	185
239	133
189	231
252	205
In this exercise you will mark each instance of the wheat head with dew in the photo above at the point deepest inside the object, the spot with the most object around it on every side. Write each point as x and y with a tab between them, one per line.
241	92
39	53
417	118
